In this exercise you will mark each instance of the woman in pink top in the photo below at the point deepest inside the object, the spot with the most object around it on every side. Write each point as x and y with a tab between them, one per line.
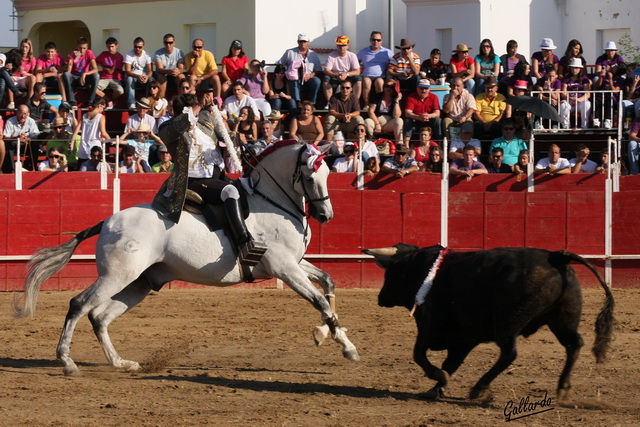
23	76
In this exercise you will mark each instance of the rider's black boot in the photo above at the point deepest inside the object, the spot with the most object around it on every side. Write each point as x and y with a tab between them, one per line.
249	250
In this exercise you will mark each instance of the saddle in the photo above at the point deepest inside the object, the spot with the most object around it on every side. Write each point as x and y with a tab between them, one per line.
214	215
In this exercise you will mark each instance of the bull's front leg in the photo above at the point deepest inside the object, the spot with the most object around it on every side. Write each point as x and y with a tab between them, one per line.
431	371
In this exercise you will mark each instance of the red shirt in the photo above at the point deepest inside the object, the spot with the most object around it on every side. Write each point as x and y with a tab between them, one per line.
429	105
235	67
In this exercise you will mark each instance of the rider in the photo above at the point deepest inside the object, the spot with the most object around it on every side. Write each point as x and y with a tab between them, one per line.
198	174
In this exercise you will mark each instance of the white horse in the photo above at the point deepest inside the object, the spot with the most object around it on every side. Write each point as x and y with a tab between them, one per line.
138	250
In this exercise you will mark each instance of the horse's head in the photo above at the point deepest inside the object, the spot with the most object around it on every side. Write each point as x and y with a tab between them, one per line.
310	180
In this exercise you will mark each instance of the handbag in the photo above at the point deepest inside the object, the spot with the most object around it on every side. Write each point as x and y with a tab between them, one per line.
385	146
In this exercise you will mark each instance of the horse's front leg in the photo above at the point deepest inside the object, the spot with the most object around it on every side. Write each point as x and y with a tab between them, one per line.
297	279
320	333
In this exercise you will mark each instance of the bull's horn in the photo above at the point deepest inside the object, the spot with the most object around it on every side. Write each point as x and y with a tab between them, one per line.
391	251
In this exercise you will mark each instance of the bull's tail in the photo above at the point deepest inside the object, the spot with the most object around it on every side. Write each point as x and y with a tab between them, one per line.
604	321
44	264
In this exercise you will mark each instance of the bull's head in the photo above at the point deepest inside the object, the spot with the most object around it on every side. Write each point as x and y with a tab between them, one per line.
406	267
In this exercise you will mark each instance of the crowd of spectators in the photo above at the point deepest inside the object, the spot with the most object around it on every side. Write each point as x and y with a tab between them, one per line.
371	97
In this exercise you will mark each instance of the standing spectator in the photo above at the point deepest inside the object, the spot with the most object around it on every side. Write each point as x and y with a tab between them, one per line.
463	66
93	129
401	164
169	62
420	150
574	99
306	126
422	109
95	164
137	70
487	64
344	112
111	62
404	66
374	60
82	70
433	68
257	86
279	95
574	50
301	65
234	66
201	67
342	66
239	99
165	165
495	162
633	147
553	164
490	109
55	162
467	166
458	106
456	148
385	114
544	56
18	129
49	67
581	163
511	146
143	106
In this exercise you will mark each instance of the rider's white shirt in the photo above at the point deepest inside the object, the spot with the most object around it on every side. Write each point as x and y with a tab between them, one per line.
203	156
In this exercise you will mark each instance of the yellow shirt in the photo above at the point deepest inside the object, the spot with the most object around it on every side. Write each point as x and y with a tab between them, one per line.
206	64
489	110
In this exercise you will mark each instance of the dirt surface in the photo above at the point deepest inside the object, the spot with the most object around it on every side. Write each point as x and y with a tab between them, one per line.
246	357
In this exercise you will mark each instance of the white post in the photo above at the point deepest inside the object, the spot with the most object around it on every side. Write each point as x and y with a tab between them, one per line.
608	228
444	195
530	180
359	171
18	167
103	167
116	180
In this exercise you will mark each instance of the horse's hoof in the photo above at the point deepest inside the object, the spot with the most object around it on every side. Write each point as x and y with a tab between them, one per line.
71	370
434	394
351	354
130	366
320	333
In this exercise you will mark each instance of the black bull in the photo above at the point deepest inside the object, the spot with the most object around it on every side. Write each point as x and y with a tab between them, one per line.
490	296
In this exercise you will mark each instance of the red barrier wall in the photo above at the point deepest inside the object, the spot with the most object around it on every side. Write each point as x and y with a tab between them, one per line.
489	211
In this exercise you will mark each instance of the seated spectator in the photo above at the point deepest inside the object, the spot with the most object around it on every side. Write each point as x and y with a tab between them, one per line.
82	70
384	113
519	89
301	65
374	60
49	67
39	108
456	148
633	147
490	109
95	163
169	62
459	107
608	61
435	162
367	147
509	61
20	129
201	68
487	64
6	82
110	62
574	50
70	119
344	112
553	164
522	73
275	118
348	163
467	166
631	102
138	71
576	100
158	105
268	138
23	73
256	85
422	109
523	124
372	166
433	68
146	144
245	128
165	165
510	144
61	139
544	56
279	95
55	162
604	161
93	129
235	102
421	149
234	66
463	66
401	164
130	163
581	163
185	87
342	65
306	126
550	83
607	101
143	106
522	167
495	162
404	66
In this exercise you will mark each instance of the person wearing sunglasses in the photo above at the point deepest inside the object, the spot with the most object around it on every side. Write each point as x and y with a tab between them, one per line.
169	62
510	144
405	66
422	109
137	70
495	162
201	68
374	59
55	162
344	112
302	64
39	107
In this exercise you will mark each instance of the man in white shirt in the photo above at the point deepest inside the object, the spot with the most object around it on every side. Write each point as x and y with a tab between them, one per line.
169	62
137	70
21	128
233	103
348	163
553	164
456	148
581	163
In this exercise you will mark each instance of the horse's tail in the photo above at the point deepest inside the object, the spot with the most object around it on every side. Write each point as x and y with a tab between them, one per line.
44	264
605	320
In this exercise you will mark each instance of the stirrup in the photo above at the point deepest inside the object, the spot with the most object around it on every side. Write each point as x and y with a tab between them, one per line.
194	197
251	252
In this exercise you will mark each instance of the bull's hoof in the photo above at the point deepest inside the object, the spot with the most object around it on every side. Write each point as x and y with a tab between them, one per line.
434	394
481	395
351	354
564	395
320	333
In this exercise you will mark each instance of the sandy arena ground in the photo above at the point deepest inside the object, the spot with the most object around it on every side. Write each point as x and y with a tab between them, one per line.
240	356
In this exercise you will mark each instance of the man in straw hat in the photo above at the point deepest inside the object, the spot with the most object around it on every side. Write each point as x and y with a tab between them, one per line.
463	66
405	66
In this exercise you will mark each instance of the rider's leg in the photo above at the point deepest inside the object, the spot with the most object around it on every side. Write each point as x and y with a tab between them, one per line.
250	250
